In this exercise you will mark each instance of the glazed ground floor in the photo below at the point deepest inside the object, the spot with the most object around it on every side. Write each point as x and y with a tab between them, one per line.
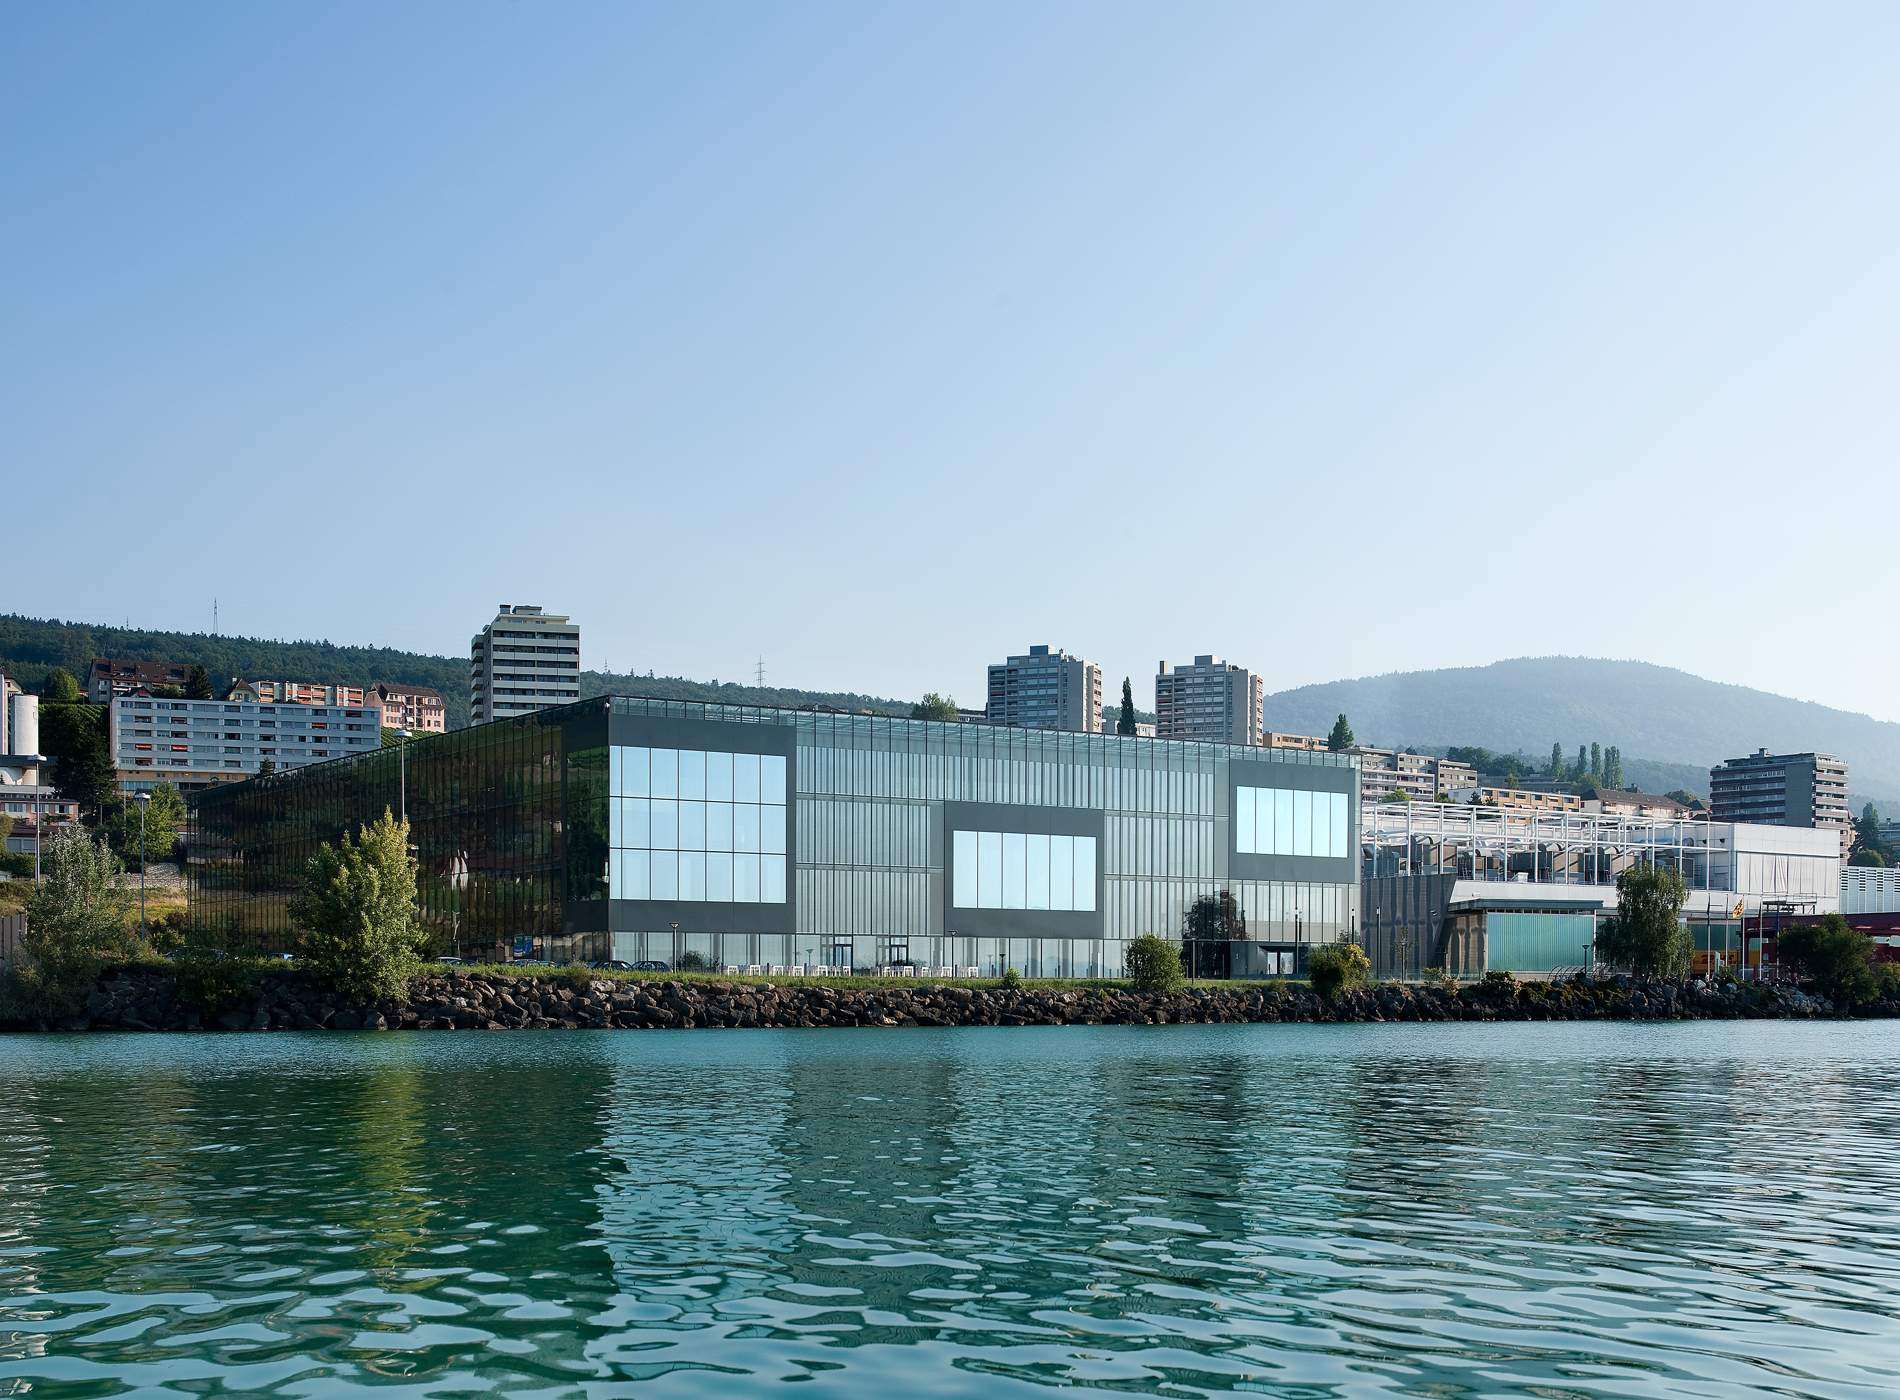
967	956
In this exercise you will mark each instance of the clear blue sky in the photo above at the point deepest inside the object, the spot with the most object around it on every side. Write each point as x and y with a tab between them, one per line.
883	340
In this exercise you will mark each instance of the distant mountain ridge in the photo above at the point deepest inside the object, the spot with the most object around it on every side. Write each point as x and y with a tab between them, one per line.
1649	711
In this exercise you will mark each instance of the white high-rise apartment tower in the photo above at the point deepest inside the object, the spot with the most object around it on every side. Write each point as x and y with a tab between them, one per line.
523	661
1209	699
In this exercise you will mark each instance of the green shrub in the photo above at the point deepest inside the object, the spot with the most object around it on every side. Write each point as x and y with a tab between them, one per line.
1337	968
694	962
357	910
18	864
1838	961
211	985
1154	964
1499	981
1011	978
75	922
1440	978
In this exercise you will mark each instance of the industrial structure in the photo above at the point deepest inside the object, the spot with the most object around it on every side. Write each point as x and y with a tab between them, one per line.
1474	888
728	835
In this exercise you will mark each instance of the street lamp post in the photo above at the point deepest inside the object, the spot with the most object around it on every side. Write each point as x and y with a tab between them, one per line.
145	800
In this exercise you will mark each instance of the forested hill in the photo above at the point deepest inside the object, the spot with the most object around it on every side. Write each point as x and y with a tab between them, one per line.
29	647
1648	711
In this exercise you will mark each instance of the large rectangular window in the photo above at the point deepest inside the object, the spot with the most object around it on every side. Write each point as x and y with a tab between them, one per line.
697	826
1012	870
1290	822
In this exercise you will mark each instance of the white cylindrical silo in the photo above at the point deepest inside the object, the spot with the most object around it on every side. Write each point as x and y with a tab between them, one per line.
24	735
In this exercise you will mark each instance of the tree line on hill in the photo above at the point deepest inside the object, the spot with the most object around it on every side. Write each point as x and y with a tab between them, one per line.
31	647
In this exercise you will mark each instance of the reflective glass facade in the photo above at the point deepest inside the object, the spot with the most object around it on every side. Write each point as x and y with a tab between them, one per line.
762	837
508	821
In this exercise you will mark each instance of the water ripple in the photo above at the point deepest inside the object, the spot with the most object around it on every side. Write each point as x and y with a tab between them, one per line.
1570	1212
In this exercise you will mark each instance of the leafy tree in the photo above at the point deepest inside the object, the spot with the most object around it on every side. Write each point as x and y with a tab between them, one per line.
1838	961
1613	768
1646	933
59	687
1401	795
1341	737
1338	967
75	920
694	962
1867	842
935	706
1153	964
1687	799
1211	923
164	819
1557	761
6	829
74	737
1581	768
266	768
357	912
198	684
1596	760
1125	721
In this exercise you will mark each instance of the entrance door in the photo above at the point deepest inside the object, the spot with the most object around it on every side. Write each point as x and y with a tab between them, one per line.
839	956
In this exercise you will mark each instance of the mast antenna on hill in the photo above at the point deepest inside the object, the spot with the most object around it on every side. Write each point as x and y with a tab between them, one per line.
758	674
214	617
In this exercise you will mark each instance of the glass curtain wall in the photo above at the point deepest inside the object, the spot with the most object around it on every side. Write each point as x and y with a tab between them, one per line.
870	843
486	811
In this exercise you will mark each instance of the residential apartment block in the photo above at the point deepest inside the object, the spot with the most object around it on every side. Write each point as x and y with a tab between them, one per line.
108	678
1045	689
195	744
1790	789
523	661
1384	773
417	708
1209	699
296	693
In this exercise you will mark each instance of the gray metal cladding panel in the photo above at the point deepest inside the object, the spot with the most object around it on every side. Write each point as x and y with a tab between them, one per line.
652	915
1310	777
717	736
714	736
1313	777
1031	821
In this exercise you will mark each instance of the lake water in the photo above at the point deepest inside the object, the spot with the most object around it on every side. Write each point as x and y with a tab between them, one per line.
1445	1211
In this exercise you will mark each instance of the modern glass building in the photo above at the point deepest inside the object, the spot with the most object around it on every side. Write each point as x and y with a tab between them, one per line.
743	836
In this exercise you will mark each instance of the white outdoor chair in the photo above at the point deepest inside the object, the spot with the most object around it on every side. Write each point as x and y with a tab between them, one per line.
779	970
754	970
972	971
731	971
946	972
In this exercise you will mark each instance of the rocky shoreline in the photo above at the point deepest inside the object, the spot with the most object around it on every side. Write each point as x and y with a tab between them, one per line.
147	999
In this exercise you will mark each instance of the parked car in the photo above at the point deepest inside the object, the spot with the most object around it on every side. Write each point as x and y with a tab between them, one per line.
651	965
610	965
450	962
